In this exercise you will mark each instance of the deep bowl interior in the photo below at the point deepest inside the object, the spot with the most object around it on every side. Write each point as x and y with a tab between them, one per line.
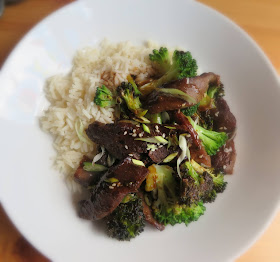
35	196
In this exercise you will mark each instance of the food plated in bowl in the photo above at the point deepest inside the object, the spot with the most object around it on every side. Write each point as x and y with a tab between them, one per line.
168	148
234	218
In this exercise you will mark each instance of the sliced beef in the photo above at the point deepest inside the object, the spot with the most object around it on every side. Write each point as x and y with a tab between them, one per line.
195	87
159	154
224	160
119	138
108	195
198	152
148	214
84	177
223	119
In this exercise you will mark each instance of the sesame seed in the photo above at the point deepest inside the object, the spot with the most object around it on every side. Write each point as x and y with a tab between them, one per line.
124	133
156	127
224	166
130	183
126	147
134	135
111	187
160	146
130	154
114	184
157	131
201	156
141	134
138	125
163	135
221	128
134	130
225	128
217	113
188	135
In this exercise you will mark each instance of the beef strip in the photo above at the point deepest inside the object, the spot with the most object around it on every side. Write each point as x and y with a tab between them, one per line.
107	196
195	87
119	138
224	160
198	152
85	178
223	119
148	214
159	154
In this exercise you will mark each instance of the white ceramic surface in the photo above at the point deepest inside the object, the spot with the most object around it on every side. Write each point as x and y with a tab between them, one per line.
35	196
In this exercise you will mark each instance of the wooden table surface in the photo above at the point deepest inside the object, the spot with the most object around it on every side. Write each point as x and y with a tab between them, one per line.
260	18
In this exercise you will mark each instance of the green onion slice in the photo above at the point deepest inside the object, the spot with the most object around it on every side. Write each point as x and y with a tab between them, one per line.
155	140
146	128
88	166
178	93
137	162
170	157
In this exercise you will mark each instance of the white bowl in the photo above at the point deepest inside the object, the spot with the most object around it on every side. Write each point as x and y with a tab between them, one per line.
34	194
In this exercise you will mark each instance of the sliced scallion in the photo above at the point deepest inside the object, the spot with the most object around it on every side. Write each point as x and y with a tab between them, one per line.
179	93
79	127
88	166
137	162
146	128
170	157
170	127
154	139
112	180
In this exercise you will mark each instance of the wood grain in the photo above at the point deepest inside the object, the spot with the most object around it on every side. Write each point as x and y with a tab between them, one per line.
260	18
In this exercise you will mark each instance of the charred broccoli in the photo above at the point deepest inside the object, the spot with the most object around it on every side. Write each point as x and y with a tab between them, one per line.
127	220
219	185
183	65
104	97
211	140
130	94
196	186
166	207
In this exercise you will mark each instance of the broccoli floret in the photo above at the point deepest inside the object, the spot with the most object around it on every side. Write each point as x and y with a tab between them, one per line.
127	220
205	119
189	111
212	91
128	93
104	97
131	81
196	186
161	59
166	207
216	91
211	140
183	65
218	183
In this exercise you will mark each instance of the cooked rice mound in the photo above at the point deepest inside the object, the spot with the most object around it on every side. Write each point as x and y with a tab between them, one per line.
71	96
